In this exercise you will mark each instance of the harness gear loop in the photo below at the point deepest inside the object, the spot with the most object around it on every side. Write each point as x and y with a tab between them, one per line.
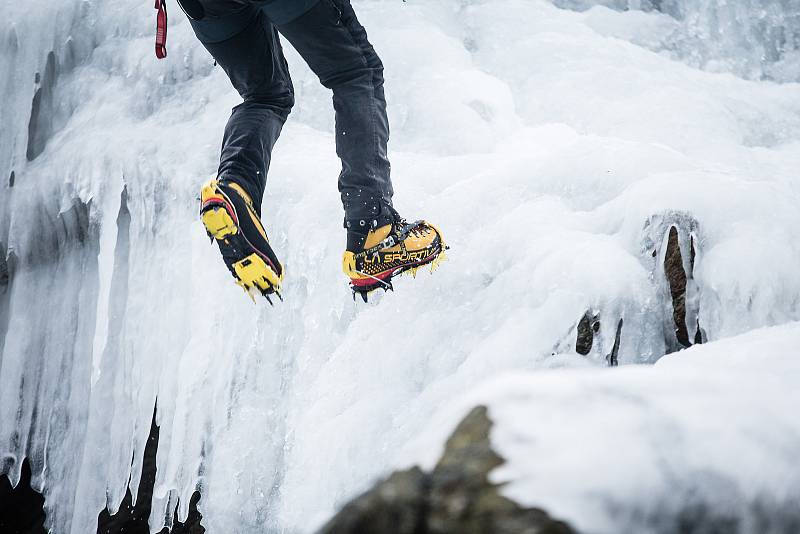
161	29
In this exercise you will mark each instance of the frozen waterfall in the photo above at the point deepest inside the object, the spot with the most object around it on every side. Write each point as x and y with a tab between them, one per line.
617	182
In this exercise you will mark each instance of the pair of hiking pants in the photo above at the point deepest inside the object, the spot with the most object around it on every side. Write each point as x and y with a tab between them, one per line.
242	36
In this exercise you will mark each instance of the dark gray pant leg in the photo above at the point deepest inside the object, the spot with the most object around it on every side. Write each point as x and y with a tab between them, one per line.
335	45
246	45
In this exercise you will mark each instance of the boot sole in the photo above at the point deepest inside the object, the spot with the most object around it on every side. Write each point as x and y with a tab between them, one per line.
251	271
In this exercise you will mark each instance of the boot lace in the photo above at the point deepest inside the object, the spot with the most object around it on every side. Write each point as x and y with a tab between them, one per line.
399	223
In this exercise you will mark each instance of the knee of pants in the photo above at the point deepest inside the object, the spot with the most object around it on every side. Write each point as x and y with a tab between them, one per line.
364	75
365	69
280	103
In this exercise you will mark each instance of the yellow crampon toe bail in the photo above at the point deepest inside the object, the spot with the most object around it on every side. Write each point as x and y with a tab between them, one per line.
253	272
219	223
216	219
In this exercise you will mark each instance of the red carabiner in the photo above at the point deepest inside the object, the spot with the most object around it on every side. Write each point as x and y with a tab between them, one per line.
161	29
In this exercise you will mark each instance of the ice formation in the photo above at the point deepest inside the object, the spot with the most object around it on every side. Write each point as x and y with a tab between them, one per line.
753	38
556	148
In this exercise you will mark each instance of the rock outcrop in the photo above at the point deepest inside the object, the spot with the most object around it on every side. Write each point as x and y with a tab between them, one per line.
456	497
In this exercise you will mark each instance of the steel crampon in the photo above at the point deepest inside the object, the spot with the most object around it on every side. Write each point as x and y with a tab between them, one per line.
384	280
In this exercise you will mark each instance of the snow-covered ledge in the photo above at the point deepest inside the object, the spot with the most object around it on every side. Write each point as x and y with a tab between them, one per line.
704	441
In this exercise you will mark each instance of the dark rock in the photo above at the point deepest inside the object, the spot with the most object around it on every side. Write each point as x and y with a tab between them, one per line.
133	519
676	277
395	505
462	499
5	271
670	248
54	234
613	357
457	497
7	262
587	327
587	331
40	125
21	507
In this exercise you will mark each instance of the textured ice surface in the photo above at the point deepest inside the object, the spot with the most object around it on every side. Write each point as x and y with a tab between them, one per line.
554	148
753	38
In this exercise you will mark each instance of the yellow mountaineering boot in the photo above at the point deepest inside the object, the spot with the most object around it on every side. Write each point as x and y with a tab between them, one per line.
228	214
389	251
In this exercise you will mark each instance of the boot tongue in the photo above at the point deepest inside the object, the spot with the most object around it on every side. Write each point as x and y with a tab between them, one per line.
358	241
377	235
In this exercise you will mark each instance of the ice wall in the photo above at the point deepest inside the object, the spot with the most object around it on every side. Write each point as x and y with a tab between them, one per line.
554	148
753	38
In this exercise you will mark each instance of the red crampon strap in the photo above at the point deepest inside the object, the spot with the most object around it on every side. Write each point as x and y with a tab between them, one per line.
161	29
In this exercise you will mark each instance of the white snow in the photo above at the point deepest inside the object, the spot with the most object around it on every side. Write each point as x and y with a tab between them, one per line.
553	148
713	429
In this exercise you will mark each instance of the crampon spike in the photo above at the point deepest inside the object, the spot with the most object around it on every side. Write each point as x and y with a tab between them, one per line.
250	294
267	291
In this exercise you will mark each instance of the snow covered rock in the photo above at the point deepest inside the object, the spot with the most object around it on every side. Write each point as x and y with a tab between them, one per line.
678	447
456	496
707	440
